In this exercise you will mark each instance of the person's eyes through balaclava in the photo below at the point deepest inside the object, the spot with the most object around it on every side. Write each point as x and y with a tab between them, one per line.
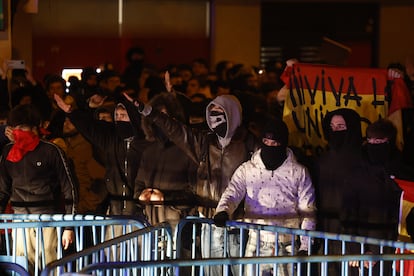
218	122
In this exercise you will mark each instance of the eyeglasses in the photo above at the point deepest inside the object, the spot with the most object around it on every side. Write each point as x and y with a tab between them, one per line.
372	140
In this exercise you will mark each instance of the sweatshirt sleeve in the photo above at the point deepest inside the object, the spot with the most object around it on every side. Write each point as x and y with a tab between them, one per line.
234	193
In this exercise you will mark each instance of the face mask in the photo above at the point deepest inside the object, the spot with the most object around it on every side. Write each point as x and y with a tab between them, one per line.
273	157
337	139
218	123
24	141
378	154
124	129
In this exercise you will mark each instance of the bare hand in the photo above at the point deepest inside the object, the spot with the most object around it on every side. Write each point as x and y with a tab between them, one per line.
366	263
67	238
67	108
157	195
96	101
167	81
8	131
150	194
145	195
291	61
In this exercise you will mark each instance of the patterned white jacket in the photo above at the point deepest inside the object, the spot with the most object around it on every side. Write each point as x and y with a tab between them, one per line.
283	197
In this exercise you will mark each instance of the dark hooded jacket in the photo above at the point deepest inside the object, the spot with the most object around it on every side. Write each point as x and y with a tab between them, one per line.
216	157
354	197
334	170
164	165
122	144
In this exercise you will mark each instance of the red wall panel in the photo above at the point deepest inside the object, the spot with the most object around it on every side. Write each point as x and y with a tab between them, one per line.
52	54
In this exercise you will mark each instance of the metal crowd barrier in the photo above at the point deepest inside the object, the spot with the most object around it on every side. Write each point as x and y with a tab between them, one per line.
316	262
141	249
89	231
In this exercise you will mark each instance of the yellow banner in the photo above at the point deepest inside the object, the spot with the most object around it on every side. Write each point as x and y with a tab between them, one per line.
314	90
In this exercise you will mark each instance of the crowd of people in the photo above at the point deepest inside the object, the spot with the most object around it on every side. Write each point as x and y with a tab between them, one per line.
110	142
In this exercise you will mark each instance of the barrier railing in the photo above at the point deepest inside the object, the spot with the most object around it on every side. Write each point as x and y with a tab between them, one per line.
156	247
148	250
89	231
317	261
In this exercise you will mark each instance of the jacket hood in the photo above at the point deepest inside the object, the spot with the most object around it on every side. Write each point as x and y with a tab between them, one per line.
233	111
353	135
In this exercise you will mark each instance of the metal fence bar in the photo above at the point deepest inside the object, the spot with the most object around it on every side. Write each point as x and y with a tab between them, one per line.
37	223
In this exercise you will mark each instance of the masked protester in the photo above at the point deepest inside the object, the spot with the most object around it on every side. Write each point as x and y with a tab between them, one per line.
122	144
334	173
380	150
216	152
39	190
266	183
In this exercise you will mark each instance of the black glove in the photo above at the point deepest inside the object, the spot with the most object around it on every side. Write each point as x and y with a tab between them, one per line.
139	105
220	218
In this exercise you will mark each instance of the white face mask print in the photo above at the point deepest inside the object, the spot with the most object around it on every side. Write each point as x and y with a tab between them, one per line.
218	121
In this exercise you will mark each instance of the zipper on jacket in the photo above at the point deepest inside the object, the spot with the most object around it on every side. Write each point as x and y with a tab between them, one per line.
128	143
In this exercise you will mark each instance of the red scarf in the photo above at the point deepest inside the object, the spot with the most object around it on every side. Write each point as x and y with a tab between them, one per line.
24	141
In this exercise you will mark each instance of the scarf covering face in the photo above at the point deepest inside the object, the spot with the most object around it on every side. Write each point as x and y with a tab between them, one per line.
218	123
24	141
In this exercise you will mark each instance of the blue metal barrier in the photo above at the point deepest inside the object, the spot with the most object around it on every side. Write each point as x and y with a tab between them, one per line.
149	250
87	228
156	246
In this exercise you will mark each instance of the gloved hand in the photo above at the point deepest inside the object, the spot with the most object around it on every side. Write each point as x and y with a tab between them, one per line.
138	104
220	218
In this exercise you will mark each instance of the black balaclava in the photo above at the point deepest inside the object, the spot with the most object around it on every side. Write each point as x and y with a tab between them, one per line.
349	139
218	122
274	156
337	139
378	154
124	129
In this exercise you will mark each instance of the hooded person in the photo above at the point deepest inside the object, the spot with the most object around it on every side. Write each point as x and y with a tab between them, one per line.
380	149
122	144
342	130
273	153
160	172
217	152
165	184
340	170
278	191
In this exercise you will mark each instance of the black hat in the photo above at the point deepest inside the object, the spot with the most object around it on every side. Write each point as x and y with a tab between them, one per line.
277	130
25	114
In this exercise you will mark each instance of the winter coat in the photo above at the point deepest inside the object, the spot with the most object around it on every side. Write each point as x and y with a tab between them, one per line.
282	197
164	166
36	183
334	171
89	173
123	153
217	158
